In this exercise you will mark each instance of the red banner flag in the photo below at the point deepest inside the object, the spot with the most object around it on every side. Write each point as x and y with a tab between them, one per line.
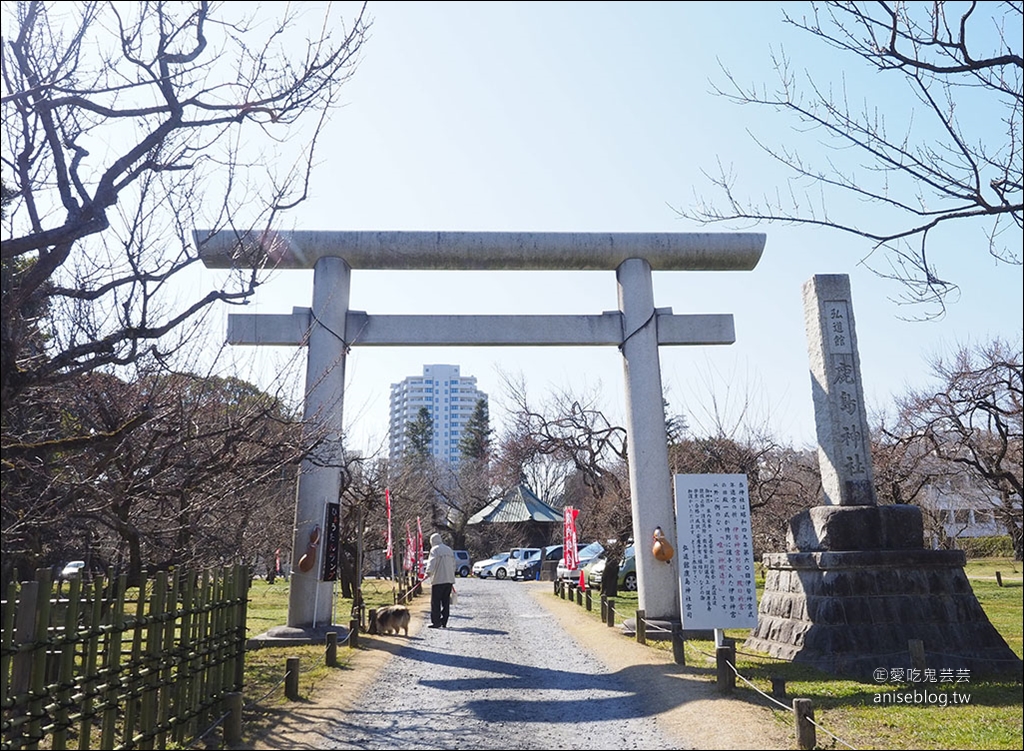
569	542
389	543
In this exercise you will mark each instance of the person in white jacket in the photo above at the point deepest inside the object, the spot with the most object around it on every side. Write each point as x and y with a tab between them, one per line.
441	571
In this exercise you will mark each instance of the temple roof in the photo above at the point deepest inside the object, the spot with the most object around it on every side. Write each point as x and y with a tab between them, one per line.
518	505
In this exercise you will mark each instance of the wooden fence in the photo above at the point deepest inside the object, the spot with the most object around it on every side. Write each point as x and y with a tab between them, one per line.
106	666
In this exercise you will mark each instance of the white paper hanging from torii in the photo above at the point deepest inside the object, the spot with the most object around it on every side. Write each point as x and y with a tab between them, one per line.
716	552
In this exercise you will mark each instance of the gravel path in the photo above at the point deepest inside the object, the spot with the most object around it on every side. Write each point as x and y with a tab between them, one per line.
503	675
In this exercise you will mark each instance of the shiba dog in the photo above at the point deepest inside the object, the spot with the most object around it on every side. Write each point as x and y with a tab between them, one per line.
390	618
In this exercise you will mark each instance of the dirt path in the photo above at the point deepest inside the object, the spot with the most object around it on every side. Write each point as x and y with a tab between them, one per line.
682	700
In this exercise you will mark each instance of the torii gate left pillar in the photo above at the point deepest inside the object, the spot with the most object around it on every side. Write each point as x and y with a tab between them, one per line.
637	328
309	598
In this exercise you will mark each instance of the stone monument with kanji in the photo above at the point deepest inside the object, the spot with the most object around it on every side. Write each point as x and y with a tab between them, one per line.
856	591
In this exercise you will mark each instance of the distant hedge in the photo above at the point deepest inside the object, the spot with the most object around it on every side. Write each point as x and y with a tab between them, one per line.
992	546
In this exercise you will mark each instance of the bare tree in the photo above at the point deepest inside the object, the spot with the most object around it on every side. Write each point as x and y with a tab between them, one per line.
125	125
577	432
906	472
205	478
950	155
780	480
363	520
973	423
790	481
732	433
519	460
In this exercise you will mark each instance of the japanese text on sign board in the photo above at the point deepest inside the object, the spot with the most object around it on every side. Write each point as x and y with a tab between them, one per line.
716	552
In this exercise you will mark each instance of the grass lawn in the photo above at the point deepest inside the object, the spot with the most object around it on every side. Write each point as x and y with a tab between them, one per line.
265	667
847	709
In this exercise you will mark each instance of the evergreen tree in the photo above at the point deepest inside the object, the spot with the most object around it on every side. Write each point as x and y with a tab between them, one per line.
476	436
419	433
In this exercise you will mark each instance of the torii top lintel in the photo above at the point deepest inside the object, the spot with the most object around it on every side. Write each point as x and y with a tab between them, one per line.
420	250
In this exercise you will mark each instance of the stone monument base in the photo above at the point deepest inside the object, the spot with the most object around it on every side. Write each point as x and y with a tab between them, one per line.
294	636
853	612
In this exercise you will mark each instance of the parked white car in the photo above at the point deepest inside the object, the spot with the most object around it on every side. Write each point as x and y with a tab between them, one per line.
72	568
496	566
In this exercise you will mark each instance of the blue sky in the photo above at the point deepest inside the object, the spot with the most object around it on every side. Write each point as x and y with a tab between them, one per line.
600	117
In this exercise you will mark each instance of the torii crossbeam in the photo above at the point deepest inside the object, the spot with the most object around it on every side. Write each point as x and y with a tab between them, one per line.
637	328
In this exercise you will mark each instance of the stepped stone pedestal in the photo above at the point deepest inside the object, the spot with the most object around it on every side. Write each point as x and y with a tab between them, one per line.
291	636
857	585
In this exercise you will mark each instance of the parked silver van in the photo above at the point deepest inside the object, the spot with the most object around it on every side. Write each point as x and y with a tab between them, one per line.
520	556
462	563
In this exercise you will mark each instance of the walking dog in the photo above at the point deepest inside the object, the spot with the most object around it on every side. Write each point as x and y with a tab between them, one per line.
390	618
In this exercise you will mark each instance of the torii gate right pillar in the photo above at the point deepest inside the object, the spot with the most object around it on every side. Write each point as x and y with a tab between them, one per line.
650	482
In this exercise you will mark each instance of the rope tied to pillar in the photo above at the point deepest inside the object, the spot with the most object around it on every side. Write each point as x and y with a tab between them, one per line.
332	332
637	330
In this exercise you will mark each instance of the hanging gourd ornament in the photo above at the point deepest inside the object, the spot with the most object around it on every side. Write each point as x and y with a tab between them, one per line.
662	549
309	557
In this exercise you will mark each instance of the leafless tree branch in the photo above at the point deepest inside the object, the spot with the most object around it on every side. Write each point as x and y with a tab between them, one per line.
954	161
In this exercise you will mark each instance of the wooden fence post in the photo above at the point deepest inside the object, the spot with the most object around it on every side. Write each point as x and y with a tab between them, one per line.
24	630
589	600
353	634
678	644
916	649
778	687
611	612
37	679
233	722
641	626
242	586
110	648
151	651
168	689
999	578
725	657
67	661
291	678
331	657
24	633
803	712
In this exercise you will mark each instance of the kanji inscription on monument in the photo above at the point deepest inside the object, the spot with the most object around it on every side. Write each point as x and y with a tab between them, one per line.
844	453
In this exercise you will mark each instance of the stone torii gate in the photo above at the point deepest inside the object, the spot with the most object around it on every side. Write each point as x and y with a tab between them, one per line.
637	328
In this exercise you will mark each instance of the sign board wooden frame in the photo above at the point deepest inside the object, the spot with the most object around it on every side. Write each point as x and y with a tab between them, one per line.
716	552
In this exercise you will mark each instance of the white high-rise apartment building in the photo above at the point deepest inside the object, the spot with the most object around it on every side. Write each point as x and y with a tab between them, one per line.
449	397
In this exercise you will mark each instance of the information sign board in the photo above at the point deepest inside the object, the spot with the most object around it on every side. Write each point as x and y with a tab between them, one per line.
716	552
